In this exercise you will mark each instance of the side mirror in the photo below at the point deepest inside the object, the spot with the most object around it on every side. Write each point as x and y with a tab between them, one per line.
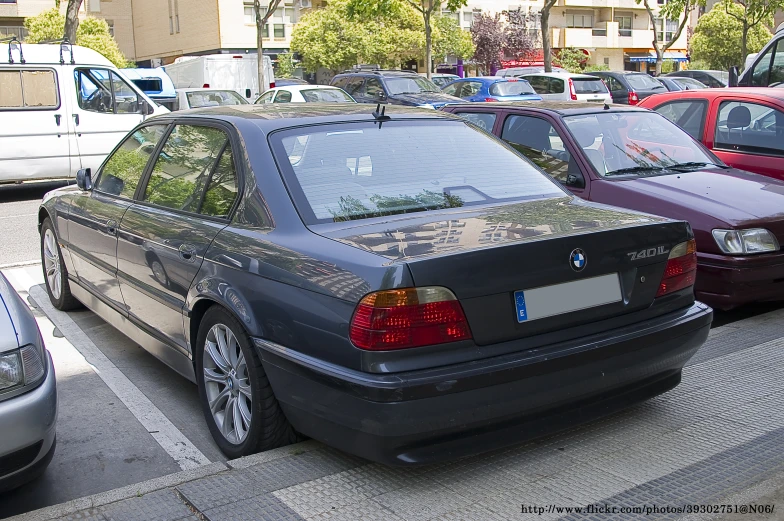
733	77
575	181
145	108
84	179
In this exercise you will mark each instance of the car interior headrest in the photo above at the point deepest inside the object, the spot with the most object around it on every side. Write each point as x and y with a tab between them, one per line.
739	117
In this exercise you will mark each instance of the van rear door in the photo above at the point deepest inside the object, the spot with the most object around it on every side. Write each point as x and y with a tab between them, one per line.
34	140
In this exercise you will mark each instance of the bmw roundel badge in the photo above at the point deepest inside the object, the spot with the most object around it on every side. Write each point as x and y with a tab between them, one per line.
578	260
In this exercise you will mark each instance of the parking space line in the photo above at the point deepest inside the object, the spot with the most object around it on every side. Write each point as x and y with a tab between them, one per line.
174	442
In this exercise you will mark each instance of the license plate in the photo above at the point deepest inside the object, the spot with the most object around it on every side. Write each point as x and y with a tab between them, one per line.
547	301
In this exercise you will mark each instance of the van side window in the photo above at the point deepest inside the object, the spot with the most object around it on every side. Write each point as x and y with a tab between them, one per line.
101	90
28	89
123	170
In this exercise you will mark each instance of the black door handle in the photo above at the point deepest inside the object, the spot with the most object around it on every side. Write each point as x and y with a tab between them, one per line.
57	119
76	118
187	251
111	227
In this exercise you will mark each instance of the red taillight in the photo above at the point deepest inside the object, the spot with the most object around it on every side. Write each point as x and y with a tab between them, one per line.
490	99
206	86
681	270
272	85
405	318
572	92
633	98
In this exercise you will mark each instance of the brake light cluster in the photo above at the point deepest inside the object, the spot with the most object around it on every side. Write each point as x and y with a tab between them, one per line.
681	270
572	91
634	99
490	99
406	318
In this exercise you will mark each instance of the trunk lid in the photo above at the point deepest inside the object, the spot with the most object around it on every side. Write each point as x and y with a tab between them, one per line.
485	256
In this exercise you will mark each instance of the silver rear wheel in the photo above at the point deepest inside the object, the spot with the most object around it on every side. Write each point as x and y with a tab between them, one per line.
54	276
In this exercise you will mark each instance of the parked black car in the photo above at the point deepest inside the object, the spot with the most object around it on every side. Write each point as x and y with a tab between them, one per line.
713	79
321	270
678	83
628	87
393	87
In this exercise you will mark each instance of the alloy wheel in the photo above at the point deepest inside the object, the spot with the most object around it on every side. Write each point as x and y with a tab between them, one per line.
227	384
52	264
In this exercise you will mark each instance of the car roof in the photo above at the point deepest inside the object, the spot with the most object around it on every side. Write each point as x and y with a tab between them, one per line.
203	89
558	75
563	108
743	92
379	72
270	117
38	53
304	87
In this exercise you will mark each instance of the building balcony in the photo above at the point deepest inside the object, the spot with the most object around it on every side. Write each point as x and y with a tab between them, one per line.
8	10
602	35
597	4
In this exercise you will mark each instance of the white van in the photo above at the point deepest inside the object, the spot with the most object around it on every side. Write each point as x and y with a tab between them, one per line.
62	108
237	72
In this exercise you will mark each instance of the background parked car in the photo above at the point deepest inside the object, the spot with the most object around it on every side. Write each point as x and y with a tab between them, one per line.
677	83
285	82
516	72
636	159
201	98
565	86
766	68
713	79
628	88
305	93
744	126
155	83
442	79
393	87
491	88
28	391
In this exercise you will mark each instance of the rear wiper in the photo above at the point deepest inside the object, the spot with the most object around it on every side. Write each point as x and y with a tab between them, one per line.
695	164
635	170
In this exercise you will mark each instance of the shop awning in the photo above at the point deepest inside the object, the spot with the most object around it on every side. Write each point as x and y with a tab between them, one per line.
650	56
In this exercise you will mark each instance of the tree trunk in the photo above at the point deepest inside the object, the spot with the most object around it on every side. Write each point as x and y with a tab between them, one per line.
428	45
260	22
72	20
744	38
546	51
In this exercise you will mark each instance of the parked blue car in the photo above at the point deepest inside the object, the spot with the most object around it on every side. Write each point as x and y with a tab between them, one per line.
491	88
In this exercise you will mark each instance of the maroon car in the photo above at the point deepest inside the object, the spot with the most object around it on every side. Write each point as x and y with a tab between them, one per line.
635	158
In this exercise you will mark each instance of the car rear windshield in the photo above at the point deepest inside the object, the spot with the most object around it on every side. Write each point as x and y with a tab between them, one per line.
410	85
326	95
352	171
214	98
589	86
643	82
511	88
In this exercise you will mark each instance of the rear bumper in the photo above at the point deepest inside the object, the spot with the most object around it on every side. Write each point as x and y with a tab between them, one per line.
727	282
28	425
452	411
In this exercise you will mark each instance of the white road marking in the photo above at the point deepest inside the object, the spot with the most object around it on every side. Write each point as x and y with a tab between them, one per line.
157	424
19	215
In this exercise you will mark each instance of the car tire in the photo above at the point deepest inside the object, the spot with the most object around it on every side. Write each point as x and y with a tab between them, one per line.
55	273
227	384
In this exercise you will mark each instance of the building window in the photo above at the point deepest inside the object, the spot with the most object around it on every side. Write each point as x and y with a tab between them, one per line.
665	31
624	25
111	27
13	30
579	20
468	17
279	30
450	14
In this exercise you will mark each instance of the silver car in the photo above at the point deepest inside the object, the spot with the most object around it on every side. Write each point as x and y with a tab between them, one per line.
28	394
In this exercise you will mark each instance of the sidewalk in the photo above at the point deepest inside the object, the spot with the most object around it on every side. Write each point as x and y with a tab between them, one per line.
710	440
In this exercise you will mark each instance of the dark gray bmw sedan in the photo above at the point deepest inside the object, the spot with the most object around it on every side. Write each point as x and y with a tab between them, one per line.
402	286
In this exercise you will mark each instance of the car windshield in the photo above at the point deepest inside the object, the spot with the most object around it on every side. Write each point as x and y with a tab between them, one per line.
636	143
326	95
511	88
410	85
643	82
589	86
214	98
354	171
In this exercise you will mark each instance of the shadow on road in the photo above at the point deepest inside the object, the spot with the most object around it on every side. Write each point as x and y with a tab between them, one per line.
28	191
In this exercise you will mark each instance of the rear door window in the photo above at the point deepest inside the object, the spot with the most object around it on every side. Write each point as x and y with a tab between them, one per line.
750	127
354	86
398	172
28	89
687	114
557	86
614	84
541	84
123	170
452	89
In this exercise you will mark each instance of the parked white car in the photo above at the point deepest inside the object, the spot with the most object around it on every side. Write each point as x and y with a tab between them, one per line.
199	98
305	93
518	72
62	109
569	87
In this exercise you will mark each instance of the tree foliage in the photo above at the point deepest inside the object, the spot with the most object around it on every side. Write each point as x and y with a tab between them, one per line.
520	42
285	65
92	33
449	39
751	14
488	34
718	27
571	59
672	10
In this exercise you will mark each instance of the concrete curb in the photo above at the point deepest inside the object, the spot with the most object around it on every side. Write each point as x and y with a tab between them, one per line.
168	481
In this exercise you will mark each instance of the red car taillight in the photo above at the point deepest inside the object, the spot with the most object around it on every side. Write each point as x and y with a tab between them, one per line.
272	85
633	98
409	317
490	99
572	92
681	270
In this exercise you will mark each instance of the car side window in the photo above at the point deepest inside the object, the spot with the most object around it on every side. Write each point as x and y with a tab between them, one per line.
689	115
556	86
354	86
750	127
123	170
452	89
483	120
266	98
283	96
541	84
373	88
537	140
28	89
340	83
102	90
470	88
613	84
223	187
776	76
184	166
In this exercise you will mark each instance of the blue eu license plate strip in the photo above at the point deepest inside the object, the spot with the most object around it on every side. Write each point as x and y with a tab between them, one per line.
522	314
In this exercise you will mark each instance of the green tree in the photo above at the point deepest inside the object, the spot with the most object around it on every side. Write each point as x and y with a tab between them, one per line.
719	26
285	65
672	10
571	59
449	39
751	14
427	8
92	33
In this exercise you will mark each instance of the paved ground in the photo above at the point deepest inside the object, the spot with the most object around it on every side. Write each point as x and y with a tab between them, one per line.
716	439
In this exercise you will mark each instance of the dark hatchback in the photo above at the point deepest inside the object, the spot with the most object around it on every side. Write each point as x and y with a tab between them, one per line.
628	88
393	87
318	269
638	159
